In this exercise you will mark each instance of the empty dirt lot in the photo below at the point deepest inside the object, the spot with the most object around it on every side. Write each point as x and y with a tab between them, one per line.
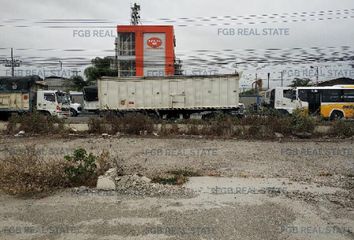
250	190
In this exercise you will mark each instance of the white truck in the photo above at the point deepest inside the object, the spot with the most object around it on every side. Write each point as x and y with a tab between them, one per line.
282	99
170	97
23	94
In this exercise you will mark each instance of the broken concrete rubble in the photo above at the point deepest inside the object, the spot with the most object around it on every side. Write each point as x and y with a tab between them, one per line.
136	185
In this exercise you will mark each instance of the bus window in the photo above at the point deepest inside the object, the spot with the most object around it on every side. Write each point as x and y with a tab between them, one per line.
348	95
303	95
332	95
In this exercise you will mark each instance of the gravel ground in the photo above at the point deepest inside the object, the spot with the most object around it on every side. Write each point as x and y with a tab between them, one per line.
250	190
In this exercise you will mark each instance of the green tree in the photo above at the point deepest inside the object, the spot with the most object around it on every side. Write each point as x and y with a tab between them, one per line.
300	82
101	67
92	74
79	82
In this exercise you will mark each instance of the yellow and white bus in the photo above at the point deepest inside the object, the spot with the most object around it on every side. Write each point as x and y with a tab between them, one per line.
333	102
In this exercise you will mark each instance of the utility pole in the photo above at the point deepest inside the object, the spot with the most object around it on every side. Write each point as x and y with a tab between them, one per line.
281	77
12	63
317	73
268	80
317	76
135	15
117	55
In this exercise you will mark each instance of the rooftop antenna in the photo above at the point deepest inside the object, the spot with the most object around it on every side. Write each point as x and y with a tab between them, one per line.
135	15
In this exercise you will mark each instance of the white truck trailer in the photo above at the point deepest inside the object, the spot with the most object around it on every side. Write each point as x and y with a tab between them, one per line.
169	97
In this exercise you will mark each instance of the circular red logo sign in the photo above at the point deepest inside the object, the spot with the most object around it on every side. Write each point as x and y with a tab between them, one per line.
154	42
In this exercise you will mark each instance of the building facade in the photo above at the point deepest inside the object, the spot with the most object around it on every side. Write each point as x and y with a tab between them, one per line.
145	50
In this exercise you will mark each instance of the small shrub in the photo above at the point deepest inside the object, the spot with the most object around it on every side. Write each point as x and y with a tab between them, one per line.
83	169
185	172
171	129
133	123
97	125
253	130
170	179
342	128
302	122
35	123
280	124
193	130
222	127
27	173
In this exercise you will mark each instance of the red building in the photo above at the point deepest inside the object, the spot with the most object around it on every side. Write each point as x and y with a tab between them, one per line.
145	50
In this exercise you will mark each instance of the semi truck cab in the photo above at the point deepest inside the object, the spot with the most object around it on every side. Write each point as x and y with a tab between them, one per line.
54	103
281	98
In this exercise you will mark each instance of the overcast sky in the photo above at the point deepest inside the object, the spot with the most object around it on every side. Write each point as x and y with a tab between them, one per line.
319	33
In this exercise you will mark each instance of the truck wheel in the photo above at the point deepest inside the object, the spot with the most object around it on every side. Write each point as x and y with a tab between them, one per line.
73	113
336	115
45	113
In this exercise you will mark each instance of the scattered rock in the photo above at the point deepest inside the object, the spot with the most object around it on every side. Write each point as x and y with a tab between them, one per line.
143	133
145	179
20	134
73	129
105	135
137	185
106	183
279	135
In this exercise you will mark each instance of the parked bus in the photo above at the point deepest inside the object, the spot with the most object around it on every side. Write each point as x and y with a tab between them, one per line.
331	102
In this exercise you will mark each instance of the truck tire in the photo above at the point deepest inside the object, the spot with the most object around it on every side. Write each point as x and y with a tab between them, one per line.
73	112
